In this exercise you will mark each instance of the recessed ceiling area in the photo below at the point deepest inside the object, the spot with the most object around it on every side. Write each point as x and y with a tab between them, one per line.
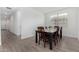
47	9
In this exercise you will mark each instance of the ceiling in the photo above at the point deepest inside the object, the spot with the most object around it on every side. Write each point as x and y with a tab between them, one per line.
47	9
7	10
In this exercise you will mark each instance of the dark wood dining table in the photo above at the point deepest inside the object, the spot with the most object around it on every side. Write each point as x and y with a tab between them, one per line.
50	36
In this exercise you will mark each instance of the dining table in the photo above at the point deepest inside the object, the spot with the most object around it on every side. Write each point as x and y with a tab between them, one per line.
49	33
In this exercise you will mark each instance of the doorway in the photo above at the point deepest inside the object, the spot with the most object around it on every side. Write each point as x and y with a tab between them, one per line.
10	30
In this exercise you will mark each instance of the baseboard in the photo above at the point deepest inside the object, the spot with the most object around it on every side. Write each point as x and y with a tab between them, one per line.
14	34
27	37
62	37
32	37
70	37
0	42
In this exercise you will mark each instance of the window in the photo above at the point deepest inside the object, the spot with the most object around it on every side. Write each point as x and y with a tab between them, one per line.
59	19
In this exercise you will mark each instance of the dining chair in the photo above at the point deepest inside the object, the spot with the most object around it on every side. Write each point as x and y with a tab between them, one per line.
57	30
56	35
60	37
41	35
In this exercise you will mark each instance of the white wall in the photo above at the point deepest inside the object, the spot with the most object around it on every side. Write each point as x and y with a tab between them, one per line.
0	26
70	29
0	29
30	19
14	23
78	22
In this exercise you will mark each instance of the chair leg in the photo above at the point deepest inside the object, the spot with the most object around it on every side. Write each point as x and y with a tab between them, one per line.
39	41
55	42
44	43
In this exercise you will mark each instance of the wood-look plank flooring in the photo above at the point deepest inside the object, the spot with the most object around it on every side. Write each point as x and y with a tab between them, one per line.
11	43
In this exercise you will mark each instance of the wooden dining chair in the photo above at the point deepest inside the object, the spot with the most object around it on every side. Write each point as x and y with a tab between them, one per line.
60	35
45	38
42	35
40	28
56	35
57	30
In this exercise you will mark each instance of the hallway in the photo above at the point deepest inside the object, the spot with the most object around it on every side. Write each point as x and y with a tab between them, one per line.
8	38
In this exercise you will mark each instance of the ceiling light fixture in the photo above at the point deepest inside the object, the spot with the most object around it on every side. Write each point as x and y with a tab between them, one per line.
8	7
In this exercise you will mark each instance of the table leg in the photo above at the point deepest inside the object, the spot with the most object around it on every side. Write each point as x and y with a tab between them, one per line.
36	37
50	44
